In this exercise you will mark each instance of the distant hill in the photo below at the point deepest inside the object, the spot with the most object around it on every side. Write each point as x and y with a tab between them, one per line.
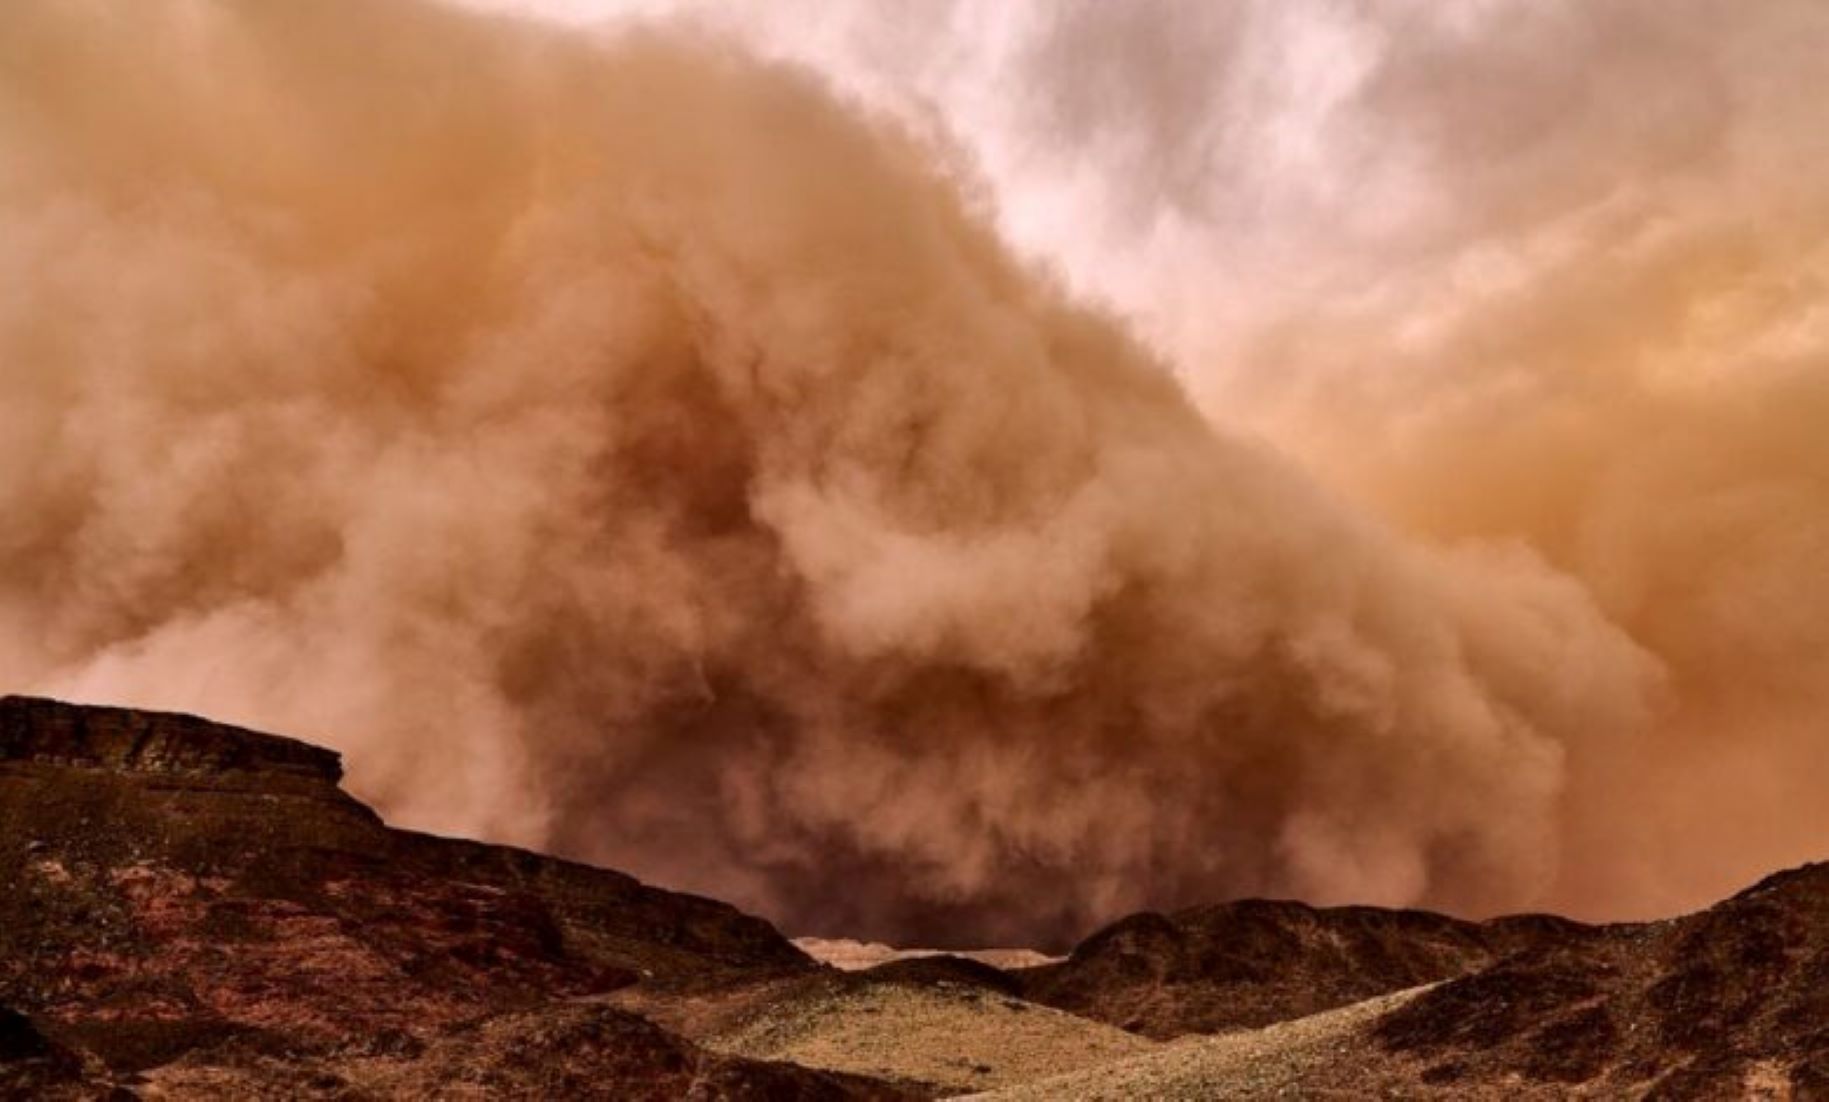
1256	962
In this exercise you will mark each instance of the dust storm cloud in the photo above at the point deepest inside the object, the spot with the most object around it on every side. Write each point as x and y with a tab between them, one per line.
623	446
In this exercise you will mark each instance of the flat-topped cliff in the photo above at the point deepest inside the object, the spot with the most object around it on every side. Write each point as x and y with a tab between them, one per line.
198	902
129	740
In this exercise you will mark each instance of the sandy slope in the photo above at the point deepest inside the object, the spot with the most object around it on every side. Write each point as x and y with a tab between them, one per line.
949	1036
1247	1064
852	956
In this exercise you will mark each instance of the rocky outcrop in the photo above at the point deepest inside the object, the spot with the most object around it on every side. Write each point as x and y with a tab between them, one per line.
183	894
1251	963
33	1066
1730	1002
122	740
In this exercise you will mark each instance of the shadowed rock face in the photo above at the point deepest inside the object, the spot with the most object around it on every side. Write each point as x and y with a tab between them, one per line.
1728	1002
188	895
1251	963
1721	1003
32	1066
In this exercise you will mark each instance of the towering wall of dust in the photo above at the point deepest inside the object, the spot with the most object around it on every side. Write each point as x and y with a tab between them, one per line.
626	448
1544	271
1612	344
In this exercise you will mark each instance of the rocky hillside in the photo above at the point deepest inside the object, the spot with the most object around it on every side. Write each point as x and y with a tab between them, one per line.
196	911
1255	962
195	902
1732	1002
1728	1002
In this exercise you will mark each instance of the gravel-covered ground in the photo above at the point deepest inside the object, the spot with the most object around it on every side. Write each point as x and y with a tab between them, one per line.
1270	1062
952	1037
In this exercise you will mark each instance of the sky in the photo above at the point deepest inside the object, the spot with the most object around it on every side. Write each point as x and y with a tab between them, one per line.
954	472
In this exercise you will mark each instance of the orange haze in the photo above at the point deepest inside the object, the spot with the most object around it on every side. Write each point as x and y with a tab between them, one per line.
623	447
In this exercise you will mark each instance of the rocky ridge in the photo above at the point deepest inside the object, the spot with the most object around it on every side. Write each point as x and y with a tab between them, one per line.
195	901
197	911
1256	962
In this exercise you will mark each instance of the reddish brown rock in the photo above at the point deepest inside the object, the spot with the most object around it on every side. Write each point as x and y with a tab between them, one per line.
186	891
1254	962
1721	1003
197	911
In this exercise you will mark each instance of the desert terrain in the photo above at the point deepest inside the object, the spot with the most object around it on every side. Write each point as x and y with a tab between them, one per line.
200	911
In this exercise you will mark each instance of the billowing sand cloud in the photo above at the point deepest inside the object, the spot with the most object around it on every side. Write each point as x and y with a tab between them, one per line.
624	447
